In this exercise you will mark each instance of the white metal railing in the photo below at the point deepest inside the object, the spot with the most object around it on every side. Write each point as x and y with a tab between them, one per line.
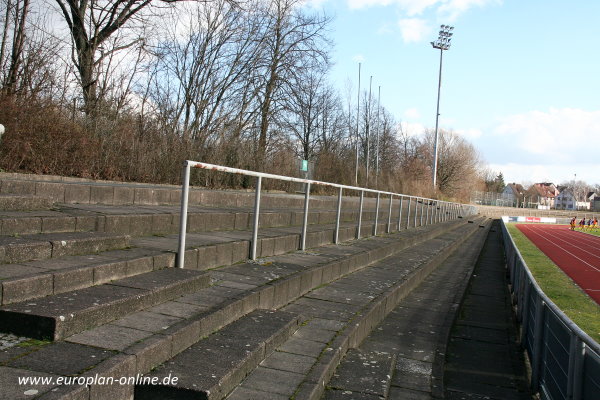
442	210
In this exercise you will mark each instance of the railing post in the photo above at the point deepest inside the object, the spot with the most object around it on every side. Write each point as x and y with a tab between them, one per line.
360	209
538	340
336	239
427	212
256	218
389	224
416	210
573	379
305	221
422	211
578	370
525	312
183	217
376	216
408	213
400	214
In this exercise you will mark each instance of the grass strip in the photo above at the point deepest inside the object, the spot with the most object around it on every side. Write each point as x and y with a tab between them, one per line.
595	232
558	286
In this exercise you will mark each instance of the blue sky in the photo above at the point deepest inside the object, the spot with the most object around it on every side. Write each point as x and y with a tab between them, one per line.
520	81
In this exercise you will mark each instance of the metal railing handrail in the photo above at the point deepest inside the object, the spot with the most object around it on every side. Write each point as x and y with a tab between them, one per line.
581	344
451	210
213	167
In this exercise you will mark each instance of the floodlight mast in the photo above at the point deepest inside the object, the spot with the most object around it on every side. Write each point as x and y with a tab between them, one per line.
442	43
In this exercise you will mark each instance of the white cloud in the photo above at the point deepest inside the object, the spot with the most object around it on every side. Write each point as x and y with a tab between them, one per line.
413	29
409	7
445	8
412	113
548	145
560	135
469	134
451	10
412	128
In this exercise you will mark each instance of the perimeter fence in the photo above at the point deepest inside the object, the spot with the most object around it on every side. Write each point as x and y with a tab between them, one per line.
565	361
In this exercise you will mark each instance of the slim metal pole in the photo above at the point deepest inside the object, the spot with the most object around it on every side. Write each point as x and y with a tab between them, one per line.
377	141
427	207
183	217
360	209
408	213
367	133
422	206
437	117
256	218
357	125
400	214
336	239
376	216
305	220
389	224
416	210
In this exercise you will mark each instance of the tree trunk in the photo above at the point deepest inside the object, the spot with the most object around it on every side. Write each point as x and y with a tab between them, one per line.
17	50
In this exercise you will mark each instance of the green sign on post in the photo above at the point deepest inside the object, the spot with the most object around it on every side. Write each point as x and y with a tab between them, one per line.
305	165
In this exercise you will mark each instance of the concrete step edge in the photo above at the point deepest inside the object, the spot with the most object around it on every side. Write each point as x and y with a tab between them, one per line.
56	322
167	222
57	281
252	348
11	202
45	246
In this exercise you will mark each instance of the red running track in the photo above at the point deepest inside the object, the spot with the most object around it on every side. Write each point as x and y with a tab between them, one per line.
576	253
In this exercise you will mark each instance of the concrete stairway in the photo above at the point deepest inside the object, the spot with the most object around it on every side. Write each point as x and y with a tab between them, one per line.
92	280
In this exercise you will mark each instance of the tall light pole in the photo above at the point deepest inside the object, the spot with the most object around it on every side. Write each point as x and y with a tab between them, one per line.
442	43
377	145
357	125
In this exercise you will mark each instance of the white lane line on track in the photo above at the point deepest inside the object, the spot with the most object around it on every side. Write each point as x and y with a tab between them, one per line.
566	251
570	243
586	237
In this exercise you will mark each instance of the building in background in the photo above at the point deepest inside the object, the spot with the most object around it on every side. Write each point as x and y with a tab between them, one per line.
515	192
541	196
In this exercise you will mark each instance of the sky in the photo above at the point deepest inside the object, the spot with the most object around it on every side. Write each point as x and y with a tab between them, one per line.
520	81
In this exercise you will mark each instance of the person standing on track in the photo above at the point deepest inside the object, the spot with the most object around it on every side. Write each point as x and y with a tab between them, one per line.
573	223
582	223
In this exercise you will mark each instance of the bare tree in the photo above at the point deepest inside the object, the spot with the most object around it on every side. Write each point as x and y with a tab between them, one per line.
459	163
202	69
294	42
19	11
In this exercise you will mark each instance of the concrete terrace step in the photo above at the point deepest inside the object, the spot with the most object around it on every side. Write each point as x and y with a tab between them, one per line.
11	202
57	316
403	356
214	366
340	315
312	304
160	220
86	191
142	340
15	249
35	279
